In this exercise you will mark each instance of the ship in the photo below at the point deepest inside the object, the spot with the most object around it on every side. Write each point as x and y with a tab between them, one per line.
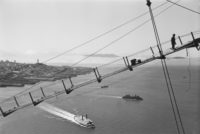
132	97
84	121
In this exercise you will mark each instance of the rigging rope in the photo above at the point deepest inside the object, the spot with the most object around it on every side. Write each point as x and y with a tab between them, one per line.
100	35
114	61
189	72
184	7
105	46
141	25
142	51
166	73
176	105
170	96
105	33
121	37
94	80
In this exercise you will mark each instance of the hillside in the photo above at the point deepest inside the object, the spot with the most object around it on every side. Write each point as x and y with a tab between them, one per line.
18	74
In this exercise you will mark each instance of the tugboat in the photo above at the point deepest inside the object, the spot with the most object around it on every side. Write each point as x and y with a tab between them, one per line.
84	121
132	97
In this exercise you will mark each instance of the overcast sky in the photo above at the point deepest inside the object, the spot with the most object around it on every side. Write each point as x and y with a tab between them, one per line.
31	29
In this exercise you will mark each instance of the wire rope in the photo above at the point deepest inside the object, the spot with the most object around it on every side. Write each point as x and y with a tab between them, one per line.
105	33
166	73
100	35
189	71
184	7
121	37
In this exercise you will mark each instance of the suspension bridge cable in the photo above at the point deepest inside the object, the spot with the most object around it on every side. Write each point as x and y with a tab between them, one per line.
109	43
142	51
109	63
100	35
163	67
189	71
121	37
170	96
106	45
134	54
165	42
165	70
184	7
172	90
105	33
174	97
168	83
91	81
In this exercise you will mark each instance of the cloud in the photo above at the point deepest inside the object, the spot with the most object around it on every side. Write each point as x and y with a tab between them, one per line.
104	55
30	52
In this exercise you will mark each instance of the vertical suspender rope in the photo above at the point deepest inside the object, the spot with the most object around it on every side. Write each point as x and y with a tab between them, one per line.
175	100
166	73
189	71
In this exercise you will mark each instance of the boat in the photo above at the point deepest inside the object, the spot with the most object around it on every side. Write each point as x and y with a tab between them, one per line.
105	86
132	97
84	121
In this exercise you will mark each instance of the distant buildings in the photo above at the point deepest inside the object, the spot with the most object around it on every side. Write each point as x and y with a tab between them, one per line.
9	66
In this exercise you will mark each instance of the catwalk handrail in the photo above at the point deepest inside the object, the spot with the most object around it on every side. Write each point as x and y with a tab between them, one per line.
99	78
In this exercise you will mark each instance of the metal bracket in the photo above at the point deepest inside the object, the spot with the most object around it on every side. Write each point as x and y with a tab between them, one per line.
6	113
182	44
16	101
180	40
97	74
127	64
72	85
196	44
35	102
42	92
162	57
152	52
66	90
2	112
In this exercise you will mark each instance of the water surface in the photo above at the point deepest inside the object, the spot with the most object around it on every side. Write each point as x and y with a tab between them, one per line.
113	115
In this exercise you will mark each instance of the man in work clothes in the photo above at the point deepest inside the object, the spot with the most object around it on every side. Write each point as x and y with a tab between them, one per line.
173	41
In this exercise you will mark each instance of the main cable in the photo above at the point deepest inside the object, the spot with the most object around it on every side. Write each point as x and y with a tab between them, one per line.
107	44
105	33
124	35
189	71
165	70
100	35
174	97
184	7
170	96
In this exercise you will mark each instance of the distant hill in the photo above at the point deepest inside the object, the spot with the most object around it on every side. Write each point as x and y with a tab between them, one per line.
178	57
18	74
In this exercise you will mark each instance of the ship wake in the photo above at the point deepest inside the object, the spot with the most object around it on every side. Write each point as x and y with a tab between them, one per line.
57	112
108	96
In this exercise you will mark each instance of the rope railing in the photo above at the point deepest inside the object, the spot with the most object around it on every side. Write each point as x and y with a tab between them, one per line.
47	92
85	58
165	45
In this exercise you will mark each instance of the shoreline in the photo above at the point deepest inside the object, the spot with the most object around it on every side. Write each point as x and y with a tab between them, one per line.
18	75
32	81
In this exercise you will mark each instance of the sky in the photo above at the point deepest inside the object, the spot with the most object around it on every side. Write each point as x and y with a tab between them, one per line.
41	29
